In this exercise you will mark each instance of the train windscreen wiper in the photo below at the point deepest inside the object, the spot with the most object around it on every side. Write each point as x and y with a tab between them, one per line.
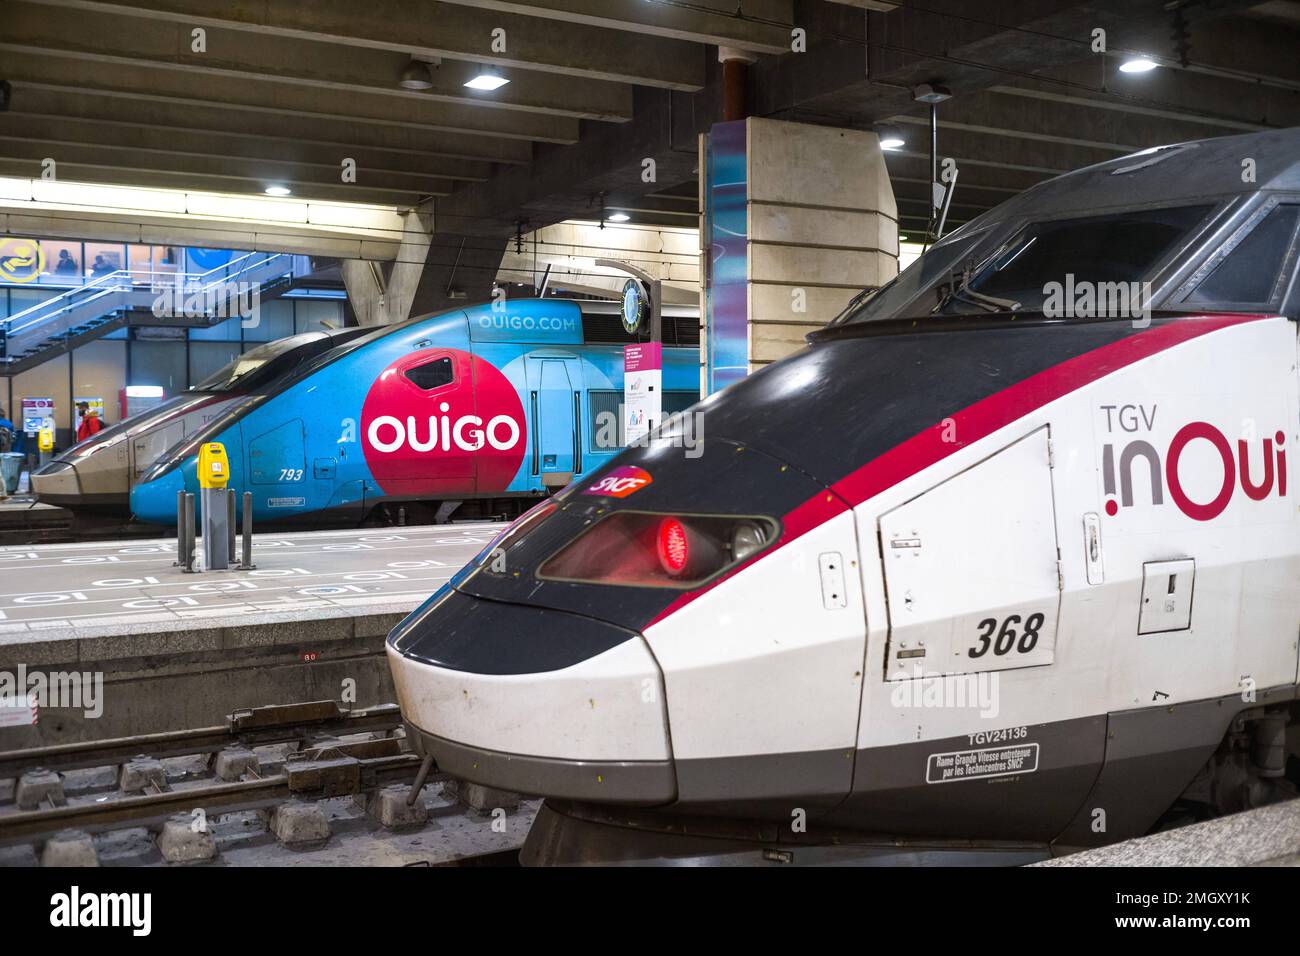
988	303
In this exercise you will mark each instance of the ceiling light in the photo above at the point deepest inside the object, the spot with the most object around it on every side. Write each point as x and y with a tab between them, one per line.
1138	64
487	80
416	76
619	217
278	191
931	93
889	135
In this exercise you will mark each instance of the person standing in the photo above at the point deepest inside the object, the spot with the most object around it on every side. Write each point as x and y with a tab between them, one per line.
90	423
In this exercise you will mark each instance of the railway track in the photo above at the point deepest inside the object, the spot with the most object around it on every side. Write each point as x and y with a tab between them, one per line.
329	753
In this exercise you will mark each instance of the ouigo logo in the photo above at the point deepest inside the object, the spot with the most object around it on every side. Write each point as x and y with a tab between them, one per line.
460	423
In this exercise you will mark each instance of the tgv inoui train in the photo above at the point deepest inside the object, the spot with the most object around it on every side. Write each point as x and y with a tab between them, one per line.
986	569
484	403
99	472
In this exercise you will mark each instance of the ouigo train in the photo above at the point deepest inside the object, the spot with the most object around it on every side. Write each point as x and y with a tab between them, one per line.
1006	562
491	404
98	473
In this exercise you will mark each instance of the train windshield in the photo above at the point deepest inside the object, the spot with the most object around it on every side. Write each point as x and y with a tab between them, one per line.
1045	259
268	362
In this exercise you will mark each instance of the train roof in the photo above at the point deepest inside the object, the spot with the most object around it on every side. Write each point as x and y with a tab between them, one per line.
1219	168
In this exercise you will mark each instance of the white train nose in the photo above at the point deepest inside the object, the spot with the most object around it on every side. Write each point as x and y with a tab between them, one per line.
56	480
592	728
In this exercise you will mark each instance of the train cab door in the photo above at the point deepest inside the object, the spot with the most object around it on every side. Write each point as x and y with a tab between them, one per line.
555	409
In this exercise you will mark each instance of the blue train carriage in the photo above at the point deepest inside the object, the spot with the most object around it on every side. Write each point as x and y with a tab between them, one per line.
490	407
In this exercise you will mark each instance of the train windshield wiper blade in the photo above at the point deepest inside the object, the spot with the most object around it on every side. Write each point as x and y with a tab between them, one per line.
986	302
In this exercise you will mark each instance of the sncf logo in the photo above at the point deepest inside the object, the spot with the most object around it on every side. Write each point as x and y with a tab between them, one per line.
620	482
1257	467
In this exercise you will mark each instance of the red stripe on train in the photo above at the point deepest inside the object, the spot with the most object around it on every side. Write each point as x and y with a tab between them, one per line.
974	423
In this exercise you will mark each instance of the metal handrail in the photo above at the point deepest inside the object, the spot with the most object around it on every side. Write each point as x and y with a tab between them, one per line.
121	280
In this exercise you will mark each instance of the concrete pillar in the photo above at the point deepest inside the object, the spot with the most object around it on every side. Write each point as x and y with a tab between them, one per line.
381	293
797	220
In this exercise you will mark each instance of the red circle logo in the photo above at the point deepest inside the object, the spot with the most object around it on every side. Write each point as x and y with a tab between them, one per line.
441	421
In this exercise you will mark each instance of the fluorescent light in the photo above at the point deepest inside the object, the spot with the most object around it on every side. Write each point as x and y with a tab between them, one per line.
278	191
144	391
487	80
619	217
892	142
1139	64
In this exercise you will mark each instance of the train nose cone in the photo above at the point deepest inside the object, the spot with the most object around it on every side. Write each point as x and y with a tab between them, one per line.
56	481
156	500
533	700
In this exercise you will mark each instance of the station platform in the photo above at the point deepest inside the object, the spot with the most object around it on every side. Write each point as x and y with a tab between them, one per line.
178	650
1268	836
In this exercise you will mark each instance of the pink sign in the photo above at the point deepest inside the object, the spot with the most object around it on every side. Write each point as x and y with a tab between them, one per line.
643	357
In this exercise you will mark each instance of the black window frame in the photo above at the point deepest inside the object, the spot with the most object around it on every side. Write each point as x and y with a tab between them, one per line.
1283	282
451	364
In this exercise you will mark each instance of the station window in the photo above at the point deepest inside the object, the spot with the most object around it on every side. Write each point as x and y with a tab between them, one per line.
1247	273
103	259
62	261
433	374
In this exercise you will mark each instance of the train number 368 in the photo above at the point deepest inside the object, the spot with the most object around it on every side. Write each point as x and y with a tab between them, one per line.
291	474
1006	635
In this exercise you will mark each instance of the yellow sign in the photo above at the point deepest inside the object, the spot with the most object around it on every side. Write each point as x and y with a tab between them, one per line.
21	260
45	439
214	468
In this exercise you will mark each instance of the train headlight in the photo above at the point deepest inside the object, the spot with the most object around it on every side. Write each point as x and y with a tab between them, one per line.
747	539
641	549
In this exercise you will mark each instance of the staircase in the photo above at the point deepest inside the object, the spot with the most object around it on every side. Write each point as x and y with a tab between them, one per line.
110	302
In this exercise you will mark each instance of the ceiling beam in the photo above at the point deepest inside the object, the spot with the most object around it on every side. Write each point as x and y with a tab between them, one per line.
22	168
206	144
245	58
760	26
259	173
446	30
132	81
326	136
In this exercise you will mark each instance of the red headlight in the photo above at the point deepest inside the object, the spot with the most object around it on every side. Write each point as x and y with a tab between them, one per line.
649	550
674	549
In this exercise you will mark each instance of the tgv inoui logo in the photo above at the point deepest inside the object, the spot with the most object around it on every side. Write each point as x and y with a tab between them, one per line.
1160	469
389	434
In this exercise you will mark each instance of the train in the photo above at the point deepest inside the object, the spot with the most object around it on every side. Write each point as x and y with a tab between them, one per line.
97	474
472	411
990	571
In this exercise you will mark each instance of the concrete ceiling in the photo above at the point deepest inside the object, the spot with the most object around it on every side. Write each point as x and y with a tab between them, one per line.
284	91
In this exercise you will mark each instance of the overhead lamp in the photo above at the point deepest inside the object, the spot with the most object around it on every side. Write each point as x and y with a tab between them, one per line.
278	191
1138	64
931	93
890	137
487	81
619	217
416	76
